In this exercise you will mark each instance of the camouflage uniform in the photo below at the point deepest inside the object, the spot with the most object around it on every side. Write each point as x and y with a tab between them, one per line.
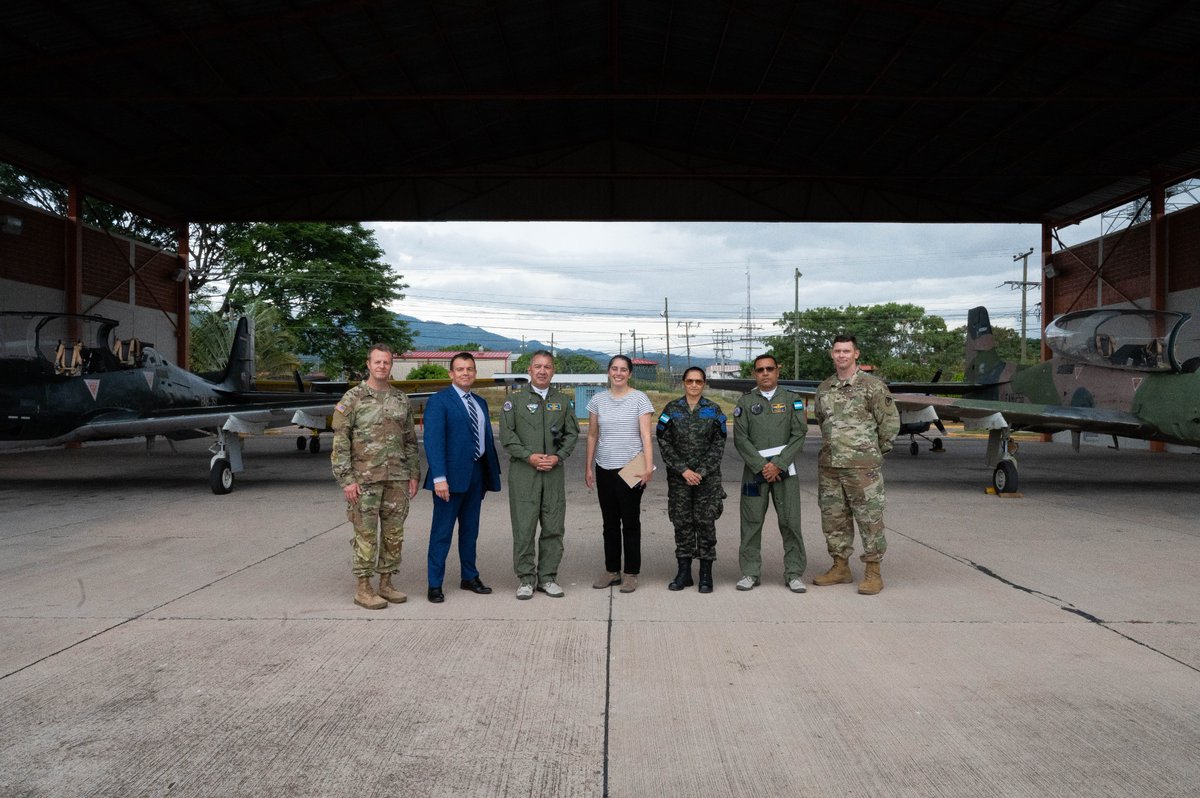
858	424
375	445
530	426
761	423
693	439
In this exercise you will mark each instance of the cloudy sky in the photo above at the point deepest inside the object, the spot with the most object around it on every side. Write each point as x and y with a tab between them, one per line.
592	285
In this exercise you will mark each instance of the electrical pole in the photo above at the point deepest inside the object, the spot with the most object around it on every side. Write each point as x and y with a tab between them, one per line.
620	343
633	334
1024	285
667	322
749	326
552	345
796	331
687	326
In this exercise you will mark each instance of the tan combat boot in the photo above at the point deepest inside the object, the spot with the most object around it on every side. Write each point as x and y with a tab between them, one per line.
386	591
838	574
365	595
872	582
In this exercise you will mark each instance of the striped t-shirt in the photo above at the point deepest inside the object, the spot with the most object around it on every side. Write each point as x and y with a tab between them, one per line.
620	433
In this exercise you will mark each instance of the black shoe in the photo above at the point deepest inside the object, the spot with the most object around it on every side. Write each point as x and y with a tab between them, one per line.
475	586
706	583
684	577
436	596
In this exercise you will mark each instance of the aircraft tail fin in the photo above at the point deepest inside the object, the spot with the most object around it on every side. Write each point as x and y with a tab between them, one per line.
239	373
984	365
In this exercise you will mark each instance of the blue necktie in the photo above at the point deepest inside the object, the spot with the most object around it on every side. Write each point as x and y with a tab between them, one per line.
473	412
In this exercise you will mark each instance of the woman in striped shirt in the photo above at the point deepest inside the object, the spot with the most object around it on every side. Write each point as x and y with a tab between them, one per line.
619	426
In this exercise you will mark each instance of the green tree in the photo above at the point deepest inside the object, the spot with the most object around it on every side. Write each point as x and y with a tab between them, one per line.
330	282
900	340
563	364
212	338
429	371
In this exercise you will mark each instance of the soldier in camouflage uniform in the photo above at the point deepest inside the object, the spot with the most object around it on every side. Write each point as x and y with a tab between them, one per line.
858	421
765	419
691	440
375	460
538	429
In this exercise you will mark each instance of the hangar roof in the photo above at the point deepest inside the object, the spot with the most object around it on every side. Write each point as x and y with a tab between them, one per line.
861	110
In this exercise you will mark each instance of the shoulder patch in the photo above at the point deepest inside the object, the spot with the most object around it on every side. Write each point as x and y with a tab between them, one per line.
508	406
798	404
664	418
737	411
341	408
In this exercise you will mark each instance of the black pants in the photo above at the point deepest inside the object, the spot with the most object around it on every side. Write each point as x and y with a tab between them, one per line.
620	507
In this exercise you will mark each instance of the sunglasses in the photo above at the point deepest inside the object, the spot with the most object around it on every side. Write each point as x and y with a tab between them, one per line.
764	369
693	382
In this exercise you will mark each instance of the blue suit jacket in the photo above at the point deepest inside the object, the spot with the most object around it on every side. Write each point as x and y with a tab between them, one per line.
450	446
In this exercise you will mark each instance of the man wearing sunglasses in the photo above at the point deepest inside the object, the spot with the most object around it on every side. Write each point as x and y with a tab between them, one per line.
769	425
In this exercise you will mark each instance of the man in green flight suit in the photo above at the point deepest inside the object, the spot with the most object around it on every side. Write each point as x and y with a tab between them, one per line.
538	429
375	460
769	425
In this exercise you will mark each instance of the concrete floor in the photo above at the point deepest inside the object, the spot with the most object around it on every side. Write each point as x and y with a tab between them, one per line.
159	640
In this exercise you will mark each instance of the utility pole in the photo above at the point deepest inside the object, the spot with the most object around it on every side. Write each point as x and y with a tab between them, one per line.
667	322
551	345
687	326
721	338
749	326
1024	285
633	334
796	331
620	343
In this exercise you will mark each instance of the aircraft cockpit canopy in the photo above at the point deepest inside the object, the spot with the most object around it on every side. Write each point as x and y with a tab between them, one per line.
63	343
1138	340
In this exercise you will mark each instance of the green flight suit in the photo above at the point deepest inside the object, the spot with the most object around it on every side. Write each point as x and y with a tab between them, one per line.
760	423
528	426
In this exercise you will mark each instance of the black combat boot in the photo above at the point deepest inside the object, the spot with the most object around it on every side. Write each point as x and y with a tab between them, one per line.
706	576
684	577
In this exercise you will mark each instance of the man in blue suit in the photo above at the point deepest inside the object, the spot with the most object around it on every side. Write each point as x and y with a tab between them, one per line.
462	466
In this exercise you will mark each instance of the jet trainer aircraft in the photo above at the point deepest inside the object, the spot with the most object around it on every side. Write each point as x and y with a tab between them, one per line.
66	378
1120	372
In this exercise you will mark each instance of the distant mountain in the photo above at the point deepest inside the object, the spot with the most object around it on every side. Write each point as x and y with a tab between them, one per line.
436	334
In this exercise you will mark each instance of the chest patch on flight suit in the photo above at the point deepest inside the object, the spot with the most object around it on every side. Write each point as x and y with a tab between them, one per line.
778	407
554	407
531	408
756	410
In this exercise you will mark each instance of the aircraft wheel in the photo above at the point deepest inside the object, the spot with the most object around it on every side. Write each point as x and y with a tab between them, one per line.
937	445
913	449
301	442
220	477
1004	478
314	445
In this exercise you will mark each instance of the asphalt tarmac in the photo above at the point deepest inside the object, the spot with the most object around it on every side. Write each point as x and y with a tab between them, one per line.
160	640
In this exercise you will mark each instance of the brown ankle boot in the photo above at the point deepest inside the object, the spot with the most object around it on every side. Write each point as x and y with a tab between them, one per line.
386	591
366	597
872	582
838	574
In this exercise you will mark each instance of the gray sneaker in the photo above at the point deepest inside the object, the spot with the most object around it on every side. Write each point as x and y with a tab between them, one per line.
551	589
796	585
525	592
747	583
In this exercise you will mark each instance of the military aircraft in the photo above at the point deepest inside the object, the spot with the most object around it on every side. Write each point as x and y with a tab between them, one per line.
67	378
1120	372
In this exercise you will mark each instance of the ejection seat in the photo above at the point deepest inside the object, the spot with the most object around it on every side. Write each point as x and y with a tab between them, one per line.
128	352
68	360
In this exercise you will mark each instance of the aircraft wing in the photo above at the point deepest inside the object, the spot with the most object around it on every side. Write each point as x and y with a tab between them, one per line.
1034	418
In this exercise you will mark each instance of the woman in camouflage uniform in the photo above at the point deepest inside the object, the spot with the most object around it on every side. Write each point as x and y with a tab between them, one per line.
691	439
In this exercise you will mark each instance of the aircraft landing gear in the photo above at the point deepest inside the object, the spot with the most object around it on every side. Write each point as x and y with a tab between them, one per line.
1000	455
1004	478
936	445
301	442
220	476
913	449
314	445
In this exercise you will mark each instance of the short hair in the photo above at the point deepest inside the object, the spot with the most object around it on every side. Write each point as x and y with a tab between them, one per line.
615	358
845	338
765	356
690	369
462	356
380	347
541	353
